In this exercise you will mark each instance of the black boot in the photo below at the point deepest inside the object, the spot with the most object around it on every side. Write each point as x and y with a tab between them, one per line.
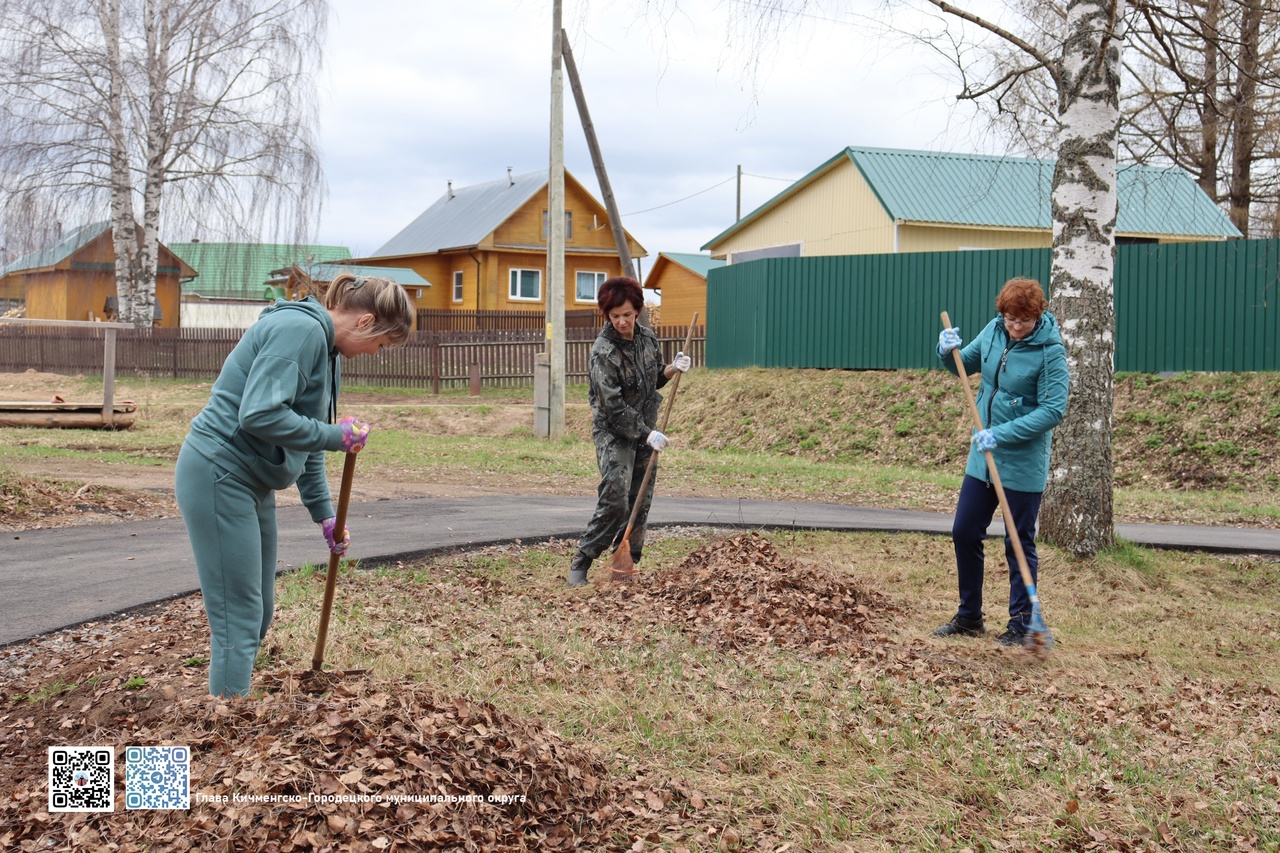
578	569
959	626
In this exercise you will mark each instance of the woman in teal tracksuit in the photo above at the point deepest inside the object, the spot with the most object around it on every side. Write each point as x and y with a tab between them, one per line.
267	425
1023	397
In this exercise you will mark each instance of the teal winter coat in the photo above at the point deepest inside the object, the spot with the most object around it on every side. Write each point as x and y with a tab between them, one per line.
1023	397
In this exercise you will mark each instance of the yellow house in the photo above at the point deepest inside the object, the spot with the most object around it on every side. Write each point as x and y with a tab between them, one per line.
682	280
868	201
484	247
76	279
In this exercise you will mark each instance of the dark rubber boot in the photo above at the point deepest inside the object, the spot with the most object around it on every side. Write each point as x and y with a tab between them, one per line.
578	569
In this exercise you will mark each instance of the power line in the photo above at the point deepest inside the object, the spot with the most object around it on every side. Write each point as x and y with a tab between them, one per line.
686	198
709	189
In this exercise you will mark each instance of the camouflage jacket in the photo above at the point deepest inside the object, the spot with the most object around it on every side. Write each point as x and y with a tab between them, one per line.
625	378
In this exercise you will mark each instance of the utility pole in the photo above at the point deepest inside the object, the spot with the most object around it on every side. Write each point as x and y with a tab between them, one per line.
738	218
555	236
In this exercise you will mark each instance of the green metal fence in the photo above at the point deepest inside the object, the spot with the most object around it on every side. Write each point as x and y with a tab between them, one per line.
1194	306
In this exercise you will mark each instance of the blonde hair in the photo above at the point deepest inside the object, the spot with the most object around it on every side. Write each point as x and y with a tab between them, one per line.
390	305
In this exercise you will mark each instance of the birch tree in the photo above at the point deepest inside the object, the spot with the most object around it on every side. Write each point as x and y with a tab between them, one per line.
1201	91
1081	59
197	114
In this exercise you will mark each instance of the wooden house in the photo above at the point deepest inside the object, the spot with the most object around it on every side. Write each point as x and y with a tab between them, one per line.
882	201
484	247
76	278
682	280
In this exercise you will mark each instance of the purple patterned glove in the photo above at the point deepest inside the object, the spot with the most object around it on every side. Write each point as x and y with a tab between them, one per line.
354	434
327	527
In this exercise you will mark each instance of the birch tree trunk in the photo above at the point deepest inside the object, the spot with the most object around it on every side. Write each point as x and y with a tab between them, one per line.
1078	513
123	224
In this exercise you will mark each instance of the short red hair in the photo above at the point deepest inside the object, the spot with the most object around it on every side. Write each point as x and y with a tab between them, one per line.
1022	299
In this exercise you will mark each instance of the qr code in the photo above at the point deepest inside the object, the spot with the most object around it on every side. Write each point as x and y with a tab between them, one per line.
157	777
82	778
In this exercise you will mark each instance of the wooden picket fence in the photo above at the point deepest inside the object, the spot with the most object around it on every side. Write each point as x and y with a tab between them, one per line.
436	360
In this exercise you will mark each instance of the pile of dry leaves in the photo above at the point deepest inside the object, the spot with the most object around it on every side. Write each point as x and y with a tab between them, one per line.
364	765
741	593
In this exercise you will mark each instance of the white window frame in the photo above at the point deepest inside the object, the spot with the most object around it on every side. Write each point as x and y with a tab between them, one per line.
600	278
457	285
513	277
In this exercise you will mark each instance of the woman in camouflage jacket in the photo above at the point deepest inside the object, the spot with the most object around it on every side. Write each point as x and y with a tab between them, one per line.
626	371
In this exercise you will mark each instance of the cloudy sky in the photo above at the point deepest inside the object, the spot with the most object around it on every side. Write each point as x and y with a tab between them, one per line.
416	94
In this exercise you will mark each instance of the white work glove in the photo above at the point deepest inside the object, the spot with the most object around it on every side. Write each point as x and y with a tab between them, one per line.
949	340
657	441
682	362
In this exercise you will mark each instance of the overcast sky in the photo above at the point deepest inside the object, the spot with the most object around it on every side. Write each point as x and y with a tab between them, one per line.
417	93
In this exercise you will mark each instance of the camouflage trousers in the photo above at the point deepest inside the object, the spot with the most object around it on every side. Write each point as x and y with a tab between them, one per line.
622	463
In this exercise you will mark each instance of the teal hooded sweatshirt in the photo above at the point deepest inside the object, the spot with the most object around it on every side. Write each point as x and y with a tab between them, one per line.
1024	392
268	417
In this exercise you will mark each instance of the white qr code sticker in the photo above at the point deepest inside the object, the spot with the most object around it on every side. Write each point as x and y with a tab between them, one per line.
82	778
157	777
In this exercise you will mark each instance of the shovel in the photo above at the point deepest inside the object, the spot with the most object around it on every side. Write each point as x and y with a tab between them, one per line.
623	567
1038	640
331	579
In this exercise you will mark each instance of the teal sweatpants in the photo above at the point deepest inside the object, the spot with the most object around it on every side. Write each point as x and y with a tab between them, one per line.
232	527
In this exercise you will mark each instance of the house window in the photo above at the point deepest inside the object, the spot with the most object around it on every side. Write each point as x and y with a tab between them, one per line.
457	286
568	224
526	284
589	286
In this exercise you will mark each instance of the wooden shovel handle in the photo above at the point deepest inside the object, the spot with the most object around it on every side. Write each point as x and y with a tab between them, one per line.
331	579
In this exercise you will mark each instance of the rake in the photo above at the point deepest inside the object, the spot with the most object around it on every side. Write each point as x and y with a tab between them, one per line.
1038	640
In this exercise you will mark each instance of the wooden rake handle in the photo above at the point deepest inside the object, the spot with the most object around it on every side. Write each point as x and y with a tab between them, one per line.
331	579
666	416
1010	529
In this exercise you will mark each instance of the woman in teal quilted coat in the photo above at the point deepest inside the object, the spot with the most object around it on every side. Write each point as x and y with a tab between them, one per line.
1023	397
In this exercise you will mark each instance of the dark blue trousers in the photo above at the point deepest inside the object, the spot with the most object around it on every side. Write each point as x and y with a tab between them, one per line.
978	504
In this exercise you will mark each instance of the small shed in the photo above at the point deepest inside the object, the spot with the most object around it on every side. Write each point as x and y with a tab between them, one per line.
75	279
681	278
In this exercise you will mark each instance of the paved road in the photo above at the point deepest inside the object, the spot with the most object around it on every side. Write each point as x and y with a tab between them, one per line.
51	579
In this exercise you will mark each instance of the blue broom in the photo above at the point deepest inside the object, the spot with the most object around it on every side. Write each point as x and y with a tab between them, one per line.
1038	640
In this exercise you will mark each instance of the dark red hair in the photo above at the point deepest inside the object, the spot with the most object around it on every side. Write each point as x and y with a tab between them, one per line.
618	290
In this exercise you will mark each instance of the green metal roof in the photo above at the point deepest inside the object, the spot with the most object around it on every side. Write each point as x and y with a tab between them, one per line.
400	275
1013	192
240	270
700	264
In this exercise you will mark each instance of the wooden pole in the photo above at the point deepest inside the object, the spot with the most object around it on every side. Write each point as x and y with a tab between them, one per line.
555	234
108	377
589	129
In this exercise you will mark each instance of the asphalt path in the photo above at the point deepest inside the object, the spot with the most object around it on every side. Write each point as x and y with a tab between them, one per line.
52	579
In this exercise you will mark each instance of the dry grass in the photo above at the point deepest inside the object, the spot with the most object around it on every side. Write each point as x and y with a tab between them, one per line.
1154	724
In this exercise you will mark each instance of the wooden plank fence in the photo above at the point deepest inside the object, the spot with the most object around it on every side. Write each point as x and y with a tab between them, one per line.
433	360
446	320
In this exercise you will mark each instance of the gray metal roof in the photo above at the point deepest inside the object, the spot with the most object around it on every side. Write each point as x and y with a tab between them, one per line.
76	239
327	271
464	216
